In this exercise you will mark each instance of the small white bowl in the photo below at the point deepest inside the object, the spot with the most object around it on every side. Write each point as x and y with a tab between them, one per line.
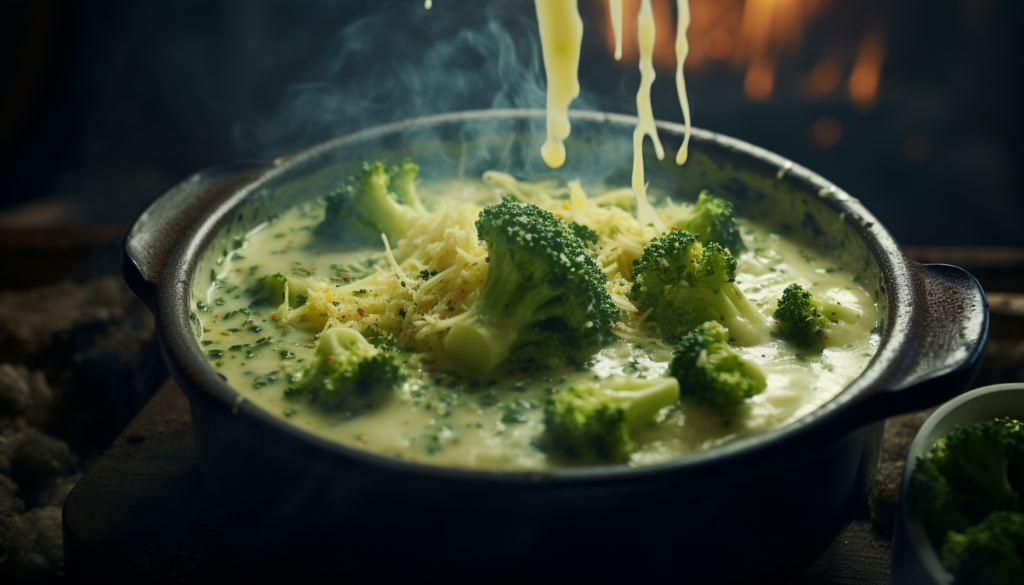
915	561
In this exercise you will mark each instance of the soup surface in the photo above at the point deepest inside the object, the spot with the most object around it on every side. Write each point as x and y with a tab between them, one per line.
442	417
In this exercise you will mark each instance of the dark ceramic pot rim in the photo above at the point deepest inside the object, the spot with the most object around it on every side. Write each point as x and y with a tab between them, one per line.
918	357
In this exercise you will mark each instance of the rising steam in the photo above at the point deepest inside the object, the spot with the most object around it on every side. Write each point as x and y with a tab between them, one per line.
404	62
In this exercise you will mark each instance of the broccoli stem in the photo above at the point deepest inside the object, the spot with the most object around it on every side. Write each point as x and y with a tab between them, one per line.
746	325
592	421
640	398
494	324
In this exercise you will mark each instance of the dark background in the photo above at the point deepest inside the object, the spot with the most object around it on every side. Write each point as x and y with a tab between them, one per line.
107	104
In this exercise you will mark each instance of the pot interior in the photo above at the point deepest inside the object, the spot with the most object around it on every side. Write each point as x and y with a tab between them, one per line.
764	187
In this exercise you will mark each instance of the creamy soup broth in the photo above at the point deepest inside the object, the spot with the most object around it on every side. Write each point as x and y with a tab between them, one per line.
442	418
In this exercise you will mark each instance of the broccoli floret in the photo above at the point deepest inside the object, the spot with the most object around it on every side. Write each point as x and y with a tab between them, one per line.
711	373
404	182
932	499
991	552
713	220
377	200
688	283
592	422
585	234
271	288
541	286
973	471
804	320
348	373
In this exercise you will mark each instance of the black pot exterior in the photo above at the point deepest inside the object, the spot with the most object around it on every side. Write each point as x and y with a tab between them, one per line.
756	509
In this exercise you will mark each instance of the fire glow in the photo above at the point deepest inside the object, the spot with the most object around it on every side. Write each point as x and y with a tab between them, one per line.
756	37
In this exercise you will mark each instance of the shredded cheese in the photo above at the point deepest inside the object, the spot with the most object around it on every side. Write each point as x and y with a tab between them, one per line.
622	237
391	258
417	312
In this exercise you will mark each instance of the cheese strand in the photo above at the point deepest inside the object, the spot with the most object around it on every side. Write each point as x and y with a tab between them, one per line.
615	12
682	49
561	34
645	124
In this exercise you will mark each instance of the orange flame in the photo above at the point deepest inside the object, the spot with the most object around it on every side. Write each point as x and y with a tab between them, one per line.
867	70
757	37
769	29
664	37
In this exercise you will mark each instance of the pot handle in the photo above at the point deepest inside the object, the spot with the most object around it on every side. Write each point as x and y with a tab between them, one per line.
950	345
173	217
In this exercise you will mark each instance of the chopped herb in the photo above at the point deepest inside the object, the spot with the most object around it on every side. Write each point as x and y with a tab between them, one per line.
516	412
242	311
264	379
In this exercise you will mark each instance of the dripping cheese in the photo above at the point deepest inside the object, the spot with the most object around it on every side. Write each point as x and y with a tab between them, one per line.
561	34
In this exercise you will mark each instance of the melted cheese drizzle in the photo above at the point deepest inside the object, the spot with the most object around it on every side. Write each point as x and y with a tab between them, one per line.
682	49
561	34
615	12
645	125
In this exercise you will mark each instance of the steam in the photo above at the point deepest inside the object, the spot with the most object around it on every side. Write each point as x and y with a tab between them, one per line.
404	63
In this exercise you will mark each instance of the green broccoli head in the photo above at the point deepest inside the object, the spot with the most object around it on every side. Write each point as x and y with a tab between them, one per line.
973	471
404	182
689	283
542	286
979	460
713	219
804	320
592	422
711	373
377	200
932	498
991	552
348	373
588	236
270	290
